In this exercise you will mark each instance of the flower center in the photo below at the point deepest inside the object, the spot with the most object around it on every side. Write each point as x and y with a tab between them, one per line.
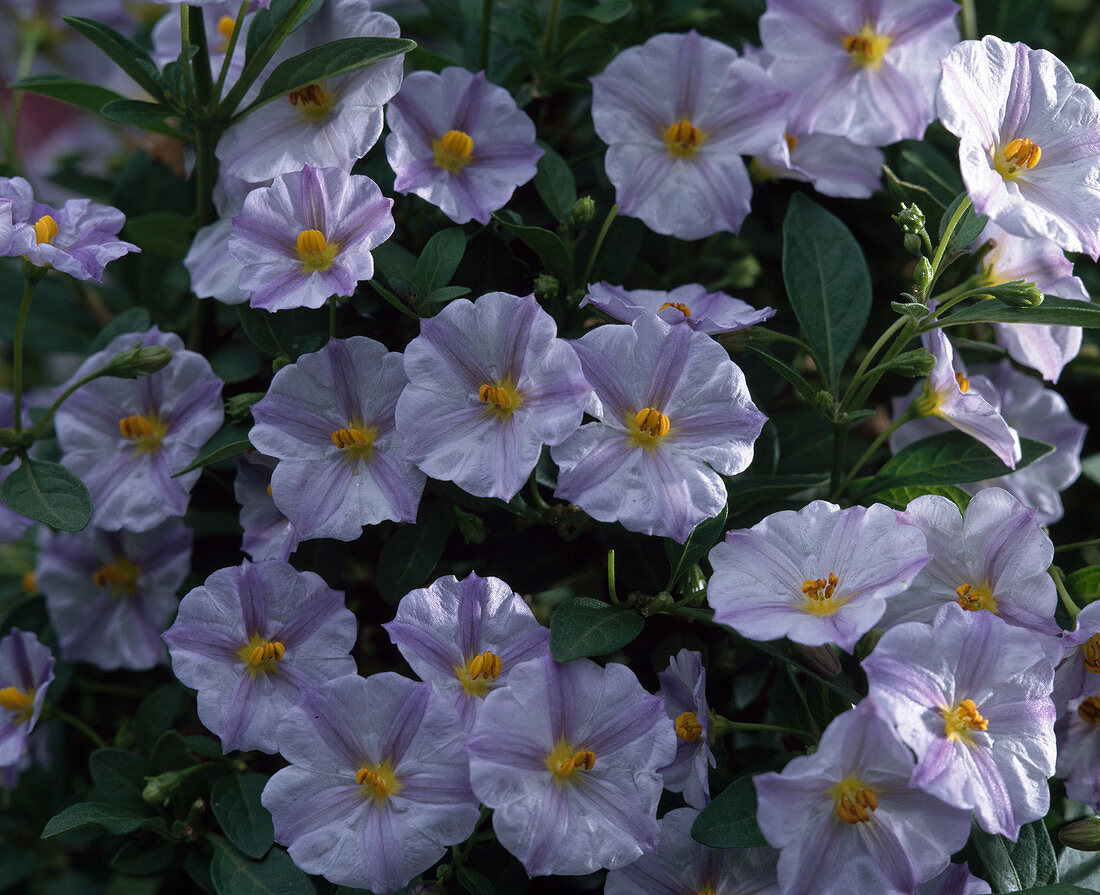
564	760
356	441
649	426
1091	649
688	727
964	383
15	700
478	671
225	26
261	656
379	782
314	101
121	576
1020	153
146	432
1089	710
314	251
453	150
678	305
45	229
961	719
975	597
819	595
866	48
29	582
683	139
501	399
854	801
791	141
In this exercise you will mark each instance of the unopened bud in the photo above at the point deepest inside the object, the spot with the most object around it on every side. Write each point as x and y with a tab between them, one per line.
1018	294
922	275
141	360
160	788
912	309
912	363
914	245
1083	835
910	218
825	403
8	438
822	659
583	210
239	407
546	287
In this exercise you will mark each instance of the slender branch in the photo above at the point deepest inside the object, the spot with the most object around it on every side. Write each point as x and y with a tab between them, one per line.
725	725
611	589
485	38
77	724
598	243
185	54
551	26
31	276
255	66
1060	585
230	49
1078	545
908	414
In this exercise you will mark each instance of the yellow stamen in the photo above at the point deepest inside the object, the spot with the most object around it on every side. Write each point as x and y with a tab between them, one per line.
146	432
316	252
975	597
853	800
29	581
678	305
45	229
260	655
15	700
819	595
866	48
964	383
378	782
688	727
266	651
961	719
269	494
453	150
501	399
683	139
1089	710
121	576
314	101
225	26
564	760
485	665
1091	649
649	425
478	672
1020	153
357	442
792	142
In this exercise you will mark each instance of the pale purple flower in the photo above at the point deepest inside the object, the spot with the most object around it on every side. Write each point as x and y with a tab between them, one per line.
1043	347
846	819
692	305
955	880
992	558
308	236
268	534
1078	672
677	113
489	385
835	166
250	638
681	866
377	786
459	142
26	670
126	438
1029	140
79	239
1078	732
328	420
970	695
214	272
684	690
867	71
466	637
568	758
819	575
674	416
111	594
16	238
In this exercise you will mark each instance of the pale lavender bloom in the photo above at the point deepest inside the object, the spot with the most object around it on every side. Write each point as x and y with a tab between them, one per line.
250	639
460	143
214	272
674	417
970	695
309	236
1078	673
568	758
1043	347
955	880
78	239
328	420
819	575
681	866
993	558
677	113
377	786
327	124
268	534
709	312
12	524
867	71
26	670
126	438
684	690
489	385
111	594
466	637
835	166
846	819
1078	732
15	238
1028	140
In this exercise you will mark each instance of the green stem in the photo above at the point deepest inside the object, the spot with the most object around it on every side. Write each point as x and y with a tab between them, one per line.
945	241
725	725
551	26
230	49
485	36
598	243
932	321
908	414
31	276
611	577
41	425
206	172
261	57
871	378
969	21
77	724
1078	545
1060	585
185	53
869	356
840	440
28	48
773	336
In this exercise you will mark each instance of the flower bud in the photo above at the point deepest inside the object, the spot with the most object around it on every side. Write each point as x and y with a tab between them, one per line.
912	309
822	659
546	287
583	210
912	363
160	788
1083	835
825	404
914	245
140	360
922	275
239	407
910	218
8	438
1018	294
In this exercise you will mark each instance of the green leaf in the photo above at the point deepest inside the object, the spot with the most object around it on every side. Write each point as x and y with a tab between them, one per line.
126	54
746	492
1084	584
966	230
265	20
143	857
233	362
229	441
284	332
150	116
582	627
912	193
1053	310
411	555
950	458
234	874
235	801
132	320
554	181
120	775
1080	868
474	883
827	282
439	260
729	821
1057	889
547	245
76	93
327	61
705	535
1020	865
155	715
171	752
900	498
48	492
787	372
162	232
112	819
924	164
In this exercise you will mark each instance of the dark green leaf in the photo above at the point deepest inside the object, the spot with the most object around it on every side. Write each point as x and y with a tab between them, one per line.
265	21
900	498
608	11
235	801
49	493
126	54
150	116
392	261
283	333
165	233
1084	584
77	93
922	163
1053	310
112	819
1057	889
966	230
329	60
474	883
729	821
554	180
17	862
1080	868
411	555
548	246
827	282
155	715
143	857
171	752
914	194
132	320
746	492
585	627
423	59
234	874
431	304
439	260
120	776
705	535
234	362
787	372
1020	865
229	441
